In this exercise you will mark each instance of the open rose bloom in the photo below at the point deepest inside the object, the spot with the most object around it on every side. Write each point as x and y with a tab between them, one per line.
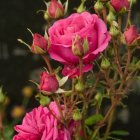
40	124
63	32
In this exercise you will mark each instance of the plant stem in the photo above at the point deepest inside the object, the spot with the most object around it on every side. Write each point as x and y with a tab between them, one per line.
59	108
128	17
81	69
111	109
47	62
110	119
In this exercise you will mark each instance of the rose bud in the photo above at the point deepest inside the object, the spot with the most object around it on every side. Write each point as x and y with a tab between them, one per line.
39	45
118	5
80	46
82	7
77	116
55	9
48	83
98	6
131	35
105	64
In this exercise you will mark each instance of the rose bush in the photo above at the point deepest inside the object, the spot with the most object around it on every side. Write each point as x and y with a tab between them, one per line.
40	124
63	32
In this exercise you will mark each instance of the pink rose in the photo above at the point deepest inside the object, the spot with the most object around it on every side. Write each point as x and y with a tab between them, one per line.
40	124
119	4
55	9
48	82
85	25
131	34
39	45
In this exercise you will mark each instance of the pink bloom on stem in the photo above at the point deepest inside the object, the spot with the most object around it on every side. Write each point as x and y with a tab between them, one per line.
119	4
85	25
131	34
40	124
48	82
39	45
55	9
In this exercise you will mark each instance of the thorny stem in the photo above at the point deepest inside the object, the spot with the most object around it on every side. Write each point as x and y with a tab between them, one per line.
59	108
117	57
128	17
126	68
109	125
113	106
47	62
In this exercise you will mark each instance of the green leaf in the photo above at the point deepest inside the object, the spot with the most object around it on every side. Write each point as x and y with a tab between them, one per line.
120	133
8	132
94	119
112	138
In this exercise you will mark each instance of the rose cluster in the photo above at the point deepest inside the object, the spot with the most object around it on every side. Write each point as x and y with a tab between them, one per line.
75	42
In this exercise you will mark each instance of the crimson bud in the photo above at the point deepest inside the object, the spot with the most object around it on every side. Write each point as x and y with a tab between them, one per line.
48	83
39	45
55	9
131	34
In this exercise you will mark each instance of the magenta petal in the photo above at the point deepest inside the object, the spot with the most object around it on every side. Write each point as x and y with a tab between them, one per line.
73	71
63	54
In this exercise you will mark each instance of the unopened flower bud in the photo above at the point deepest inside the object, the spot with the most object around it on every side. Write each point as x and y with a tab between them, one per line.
40	45
44	101
2	96
114	31
98	6
119	5
77	47
55	9
130	35
79	86
27	91
111	17
105	64
77	116
46	16
98	97
81	8
80	46
85	46
48	83
18	112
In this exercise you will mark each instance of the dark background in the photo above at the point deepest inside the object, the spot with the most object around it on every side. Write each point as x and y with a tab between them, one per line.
18	65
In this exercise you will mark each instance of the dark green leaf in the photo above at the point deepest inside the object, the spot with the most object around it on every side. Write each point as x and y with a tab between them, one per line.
112	138
94	119
120	133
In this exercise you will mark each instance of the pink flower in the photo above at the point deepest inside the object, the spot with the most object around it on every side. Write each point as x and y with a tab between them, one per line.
55	9
48	82
84	25
40	124
131	34
119	4
39	45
